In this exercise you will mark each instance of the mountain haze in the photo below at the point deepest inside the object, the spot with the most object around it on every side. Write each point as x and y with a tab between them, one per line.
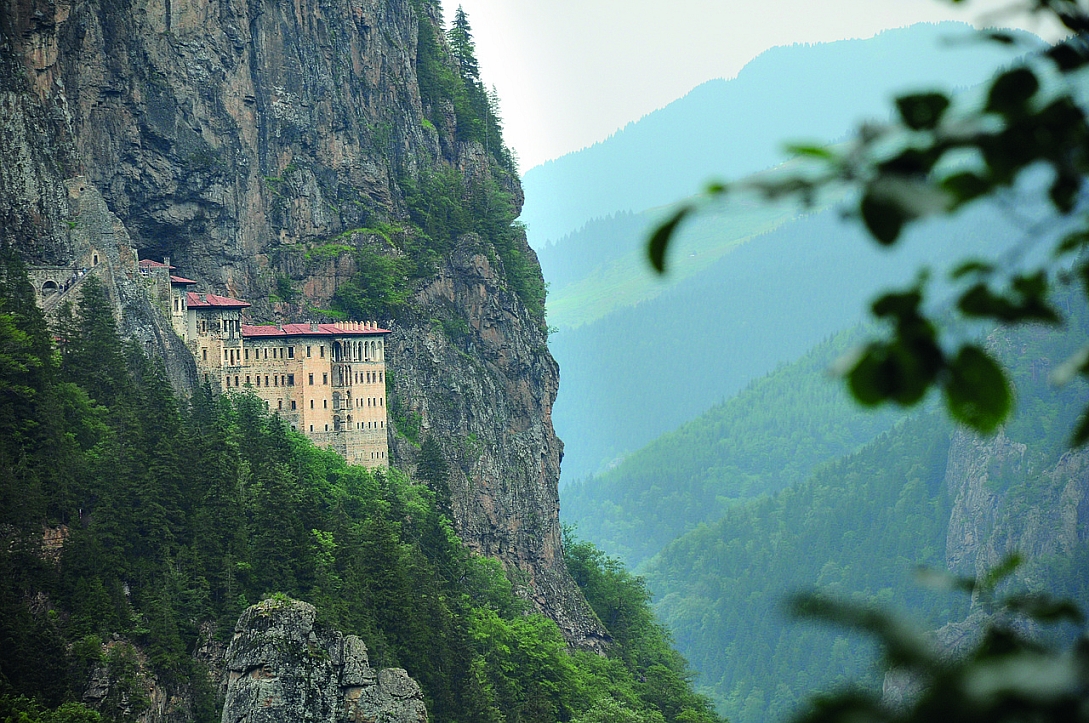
730	128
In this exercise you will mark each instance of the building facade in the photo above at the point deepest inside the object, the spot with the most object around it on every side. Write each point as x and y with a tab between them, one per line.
327	381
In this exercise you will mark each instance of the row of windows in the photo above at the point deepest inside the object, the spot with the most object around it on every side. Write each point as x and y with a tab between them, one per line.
368	377
277	353
230	326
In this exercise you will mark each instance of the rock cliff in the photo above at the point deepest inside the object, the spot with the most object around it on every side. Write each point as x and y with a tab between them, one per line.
1000	507
283	666
238	136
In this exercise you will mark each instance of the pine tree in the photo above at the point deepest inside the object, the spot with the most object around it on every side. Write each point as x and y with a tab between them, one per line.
461	42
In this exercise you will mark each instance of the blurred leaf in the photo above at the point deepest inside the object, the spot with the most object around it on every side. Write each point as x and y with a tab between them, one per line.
1026	302
1073	242
1081	432
883	218
1064	191
1067	57
904	644
974	266
976	391
661	237
922	111
911	162
966	186
1001	571
810	151
1046	609
1000	37
943	580
1071	367
1011	91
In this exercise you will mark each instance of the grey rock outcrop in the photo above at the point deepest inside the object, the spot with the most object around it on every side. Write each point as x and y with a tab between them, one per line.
283	666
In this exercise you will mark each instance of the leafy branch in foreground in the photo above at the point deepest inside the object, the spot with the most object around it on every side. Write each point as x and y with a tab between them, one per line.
1008	675
940	155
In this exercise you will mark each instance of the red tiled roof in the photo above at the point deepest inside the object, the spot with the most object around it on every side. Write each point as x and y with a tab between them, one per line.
181	280
341	328
149	264
193	301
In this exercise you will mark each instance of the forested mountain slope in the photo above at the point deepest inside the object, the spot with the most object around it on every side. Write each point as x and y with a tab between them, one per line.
321	161
644	370
731	128
770	436
136	528
858	526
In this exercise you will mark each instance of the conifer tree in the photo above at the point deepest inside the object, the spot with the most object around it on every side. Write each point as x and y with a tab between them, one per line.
461	42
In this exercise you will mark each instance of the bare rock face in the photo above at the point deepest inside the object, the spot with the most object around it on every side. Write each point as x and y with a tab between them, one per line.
282	666
483	385
990	518
233	135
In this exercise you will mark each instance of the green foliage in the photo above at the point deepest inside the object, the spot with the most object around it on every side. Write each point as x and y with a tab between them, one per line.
942	155
770	436
639	642
152	553
380	287
852	529
1007	675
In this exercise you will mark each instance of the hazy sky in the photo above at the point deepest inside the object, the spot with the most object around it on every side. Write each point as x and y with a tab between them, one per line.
570	72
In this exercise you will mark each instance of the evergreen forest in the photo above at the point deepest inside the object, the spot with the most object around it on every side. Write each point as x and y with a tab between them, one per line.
138	526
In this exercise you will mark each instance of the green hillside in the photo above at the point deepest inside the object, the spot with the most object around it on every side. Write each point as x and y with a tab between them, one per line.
856	527
770	436
603	267
166	519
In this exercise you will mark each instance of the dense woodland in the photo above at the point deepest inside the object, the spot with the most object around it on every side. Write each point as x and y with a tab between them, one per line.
171	516
856	528
770	436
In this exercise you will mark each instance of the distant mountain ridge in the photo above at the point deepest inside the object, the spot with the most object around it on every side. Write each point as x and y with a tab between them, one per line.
731	128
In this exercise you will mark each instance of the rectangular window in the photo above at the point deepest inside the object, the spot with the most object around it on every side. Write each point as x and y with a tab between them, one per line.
290	380
236	381
280	404
283	381
275	381
311	403
311	380
321	350
258	380
247	355
311	427
266	352
293	404
204	354
308	351
324	403
247	380
324	378
225	355
381	401
266	380
291	352
379	377
228	381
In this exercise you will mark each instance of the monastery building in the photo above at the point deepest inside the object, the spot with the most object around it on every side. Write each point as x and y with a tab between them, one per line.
326	380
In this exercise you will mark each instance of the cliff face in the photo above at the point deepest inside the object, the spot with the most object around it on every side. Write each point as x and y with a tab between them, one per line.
1000	508
234	136
281	666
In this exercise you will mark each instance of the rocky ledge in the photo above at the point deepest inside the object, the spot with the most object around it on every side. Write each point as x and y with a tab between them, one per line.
283	666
